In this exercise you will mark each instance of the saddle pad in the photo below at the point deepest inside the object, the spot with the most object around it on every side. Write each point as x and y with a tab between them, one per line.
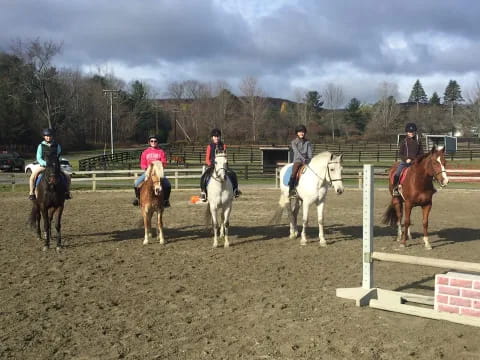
403	175
288	173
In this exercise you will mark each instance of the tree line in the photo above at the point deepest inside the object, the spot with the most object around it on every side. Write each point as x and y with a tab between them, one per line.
35	94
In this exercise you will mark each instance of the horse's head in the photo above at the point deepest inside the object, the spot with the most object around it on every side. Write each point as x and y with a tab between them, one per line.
52	171
334	172
155	172
438	163
220	170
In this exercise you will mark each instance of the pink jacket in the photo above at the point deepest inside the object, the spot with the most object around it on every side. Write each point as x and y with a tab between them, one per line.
150	155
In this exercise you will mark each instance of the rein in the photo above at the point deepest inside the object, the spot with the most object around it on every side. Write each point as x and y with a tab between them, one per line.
330	181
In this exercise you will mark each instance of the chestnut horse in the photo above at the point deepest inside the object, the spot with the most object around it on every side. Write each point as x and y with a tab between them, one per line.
151	200
417	190
49	203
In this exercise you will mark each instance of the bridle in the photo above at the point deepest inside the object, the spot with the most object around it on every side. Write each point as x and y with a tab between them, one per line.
217	176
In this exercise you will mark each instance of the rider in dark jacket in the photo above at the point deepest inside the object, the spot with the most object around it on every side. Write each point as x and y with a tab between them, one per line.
409	150
302	154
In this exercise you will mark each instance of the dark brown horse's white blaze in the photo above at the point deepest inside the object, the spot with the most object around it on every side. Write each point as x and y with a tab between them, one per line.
151	200
49	203
417	190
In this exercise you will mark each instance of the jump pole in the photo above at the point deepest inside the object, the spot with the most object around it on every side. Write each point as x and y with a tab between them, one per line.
368	295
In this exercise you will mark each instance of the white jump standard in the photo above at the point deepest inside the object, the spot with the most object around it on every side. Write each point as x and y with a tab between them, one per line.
395	301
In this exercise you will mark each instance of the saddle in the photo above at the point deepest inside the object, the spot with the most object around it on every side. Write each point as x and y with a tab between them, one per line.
288	174
403	175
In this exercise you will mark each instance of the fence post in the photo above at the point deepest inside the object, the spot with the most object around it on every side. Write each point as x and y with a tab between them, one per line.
378	156
94	182
359	156
360	178
277	175
13	182
471	154
245	175
176	180
367	279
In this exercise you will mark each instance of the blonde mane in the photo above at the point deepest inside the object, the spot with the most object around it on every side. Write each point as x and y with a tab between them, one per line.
155	168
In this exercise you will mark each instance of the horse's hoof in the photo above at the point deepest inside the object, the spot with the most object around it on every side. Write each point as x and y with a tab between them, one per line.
226	245
58	249
162	242
303	242
402	245
323	243
145	242
428	247
215	245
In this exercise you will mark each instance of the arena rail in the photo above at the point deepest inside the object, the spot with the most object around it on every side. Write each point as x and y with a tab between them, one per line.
368	295
174	174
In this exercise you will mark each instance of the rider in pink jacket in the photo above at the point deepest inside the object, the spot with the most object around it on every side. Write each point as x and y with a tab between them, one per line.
149	155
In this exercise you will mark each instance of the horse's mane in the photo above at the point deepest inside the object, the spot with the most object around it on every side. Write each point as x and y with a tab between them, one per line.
321	157
421	158
155	167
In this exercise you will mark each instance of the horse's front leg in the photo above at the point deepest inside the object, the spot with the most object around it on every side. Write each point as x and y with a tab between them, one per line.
58	227
226	223
306	205
321	236
213	211
46	228
160	226
408	212
426	211
147	223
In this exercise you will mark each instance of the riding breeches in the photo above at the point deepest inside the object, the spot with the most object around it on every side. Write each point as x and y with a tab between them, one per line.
35	174
293	177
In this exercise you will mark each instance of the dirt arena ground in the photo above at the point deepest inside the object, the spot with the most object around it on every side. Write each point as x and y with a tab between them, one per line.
105	296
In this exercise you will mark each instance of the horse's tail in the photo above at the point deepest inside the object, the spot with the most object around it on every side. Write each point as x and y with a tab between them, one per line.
34	214
282	202
390	216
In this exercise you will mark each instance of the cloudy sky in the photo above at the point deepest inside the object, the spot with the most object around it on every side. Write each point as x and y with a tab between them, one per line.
285	44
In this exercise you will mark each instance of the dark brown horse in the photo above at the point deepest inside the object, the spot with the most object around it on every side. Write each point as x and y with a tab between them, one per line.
416	190
151	200
49	203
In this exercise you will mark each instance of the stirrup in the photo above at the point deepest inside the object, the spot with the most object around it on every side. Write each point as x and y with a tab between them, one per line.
32	197
395	191
203	197
237	193
166	204
68	196
135	202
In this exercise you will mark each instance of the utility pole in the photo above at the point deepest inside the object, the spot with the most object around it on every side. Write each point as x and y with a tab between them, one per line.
110	94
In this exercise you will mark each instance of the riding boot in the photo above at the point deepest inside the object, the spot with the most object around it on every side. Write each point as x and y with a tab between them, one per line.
233	178
167	188
32	197
203	187
396	179
136	202
292	193
68	196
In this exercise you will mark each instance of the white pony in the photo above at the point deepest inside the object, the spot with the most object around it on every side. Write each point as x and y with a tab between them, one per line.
323	170
220	197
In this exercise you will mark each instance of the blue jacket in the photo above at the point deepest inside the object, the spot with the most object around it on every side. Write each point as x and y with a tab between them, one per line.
42	150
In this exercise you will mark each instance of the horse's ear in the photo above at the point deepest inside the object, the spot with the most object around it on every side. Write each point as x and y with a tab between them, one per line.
340	158
434	148
331	156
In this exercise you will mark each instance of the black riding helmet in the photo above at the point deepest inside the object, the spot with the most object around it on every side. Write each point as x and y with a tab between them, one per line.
301	128
153	137
216	132
410	127
47	132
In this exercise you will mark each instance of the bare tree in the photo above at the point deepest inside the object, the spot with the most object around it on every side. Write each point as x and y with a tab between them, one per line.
334	98
254	103
386	110
43	82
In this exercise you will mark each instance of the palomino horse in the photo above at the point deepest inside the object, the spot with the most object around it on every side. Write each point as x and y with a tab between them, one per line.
325	169
417	190
220	197
151	200
49	203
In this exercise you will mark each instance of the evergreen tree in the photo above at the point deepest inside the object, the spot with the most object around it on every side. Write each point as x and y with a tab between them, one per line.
453	94
314	102
435	99
354	116
417	95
